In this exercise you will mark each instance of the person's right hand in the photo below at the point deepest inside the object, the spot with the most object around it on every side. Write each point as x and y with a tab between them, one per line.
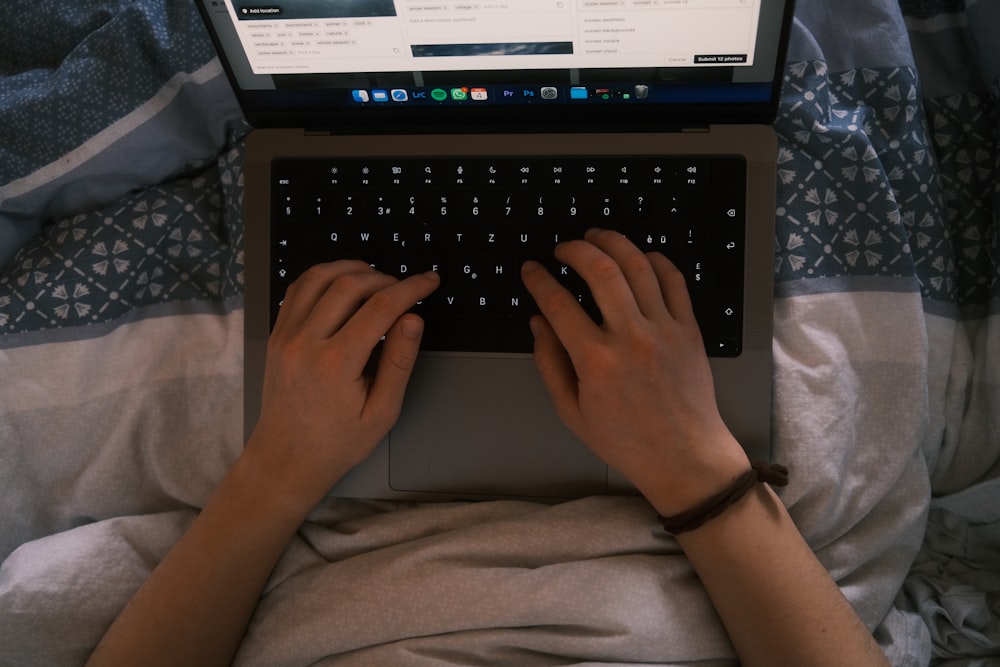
638	389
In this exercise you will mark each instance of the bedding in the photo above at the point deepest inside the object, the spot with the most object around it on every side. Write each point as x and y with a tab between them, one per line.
121	366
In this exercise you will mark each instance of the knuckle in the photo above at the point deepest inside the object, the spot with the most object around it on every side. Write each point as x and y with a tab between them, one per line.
314	274
286	356
403	361
645	346
348	283
381	304
558	301
636	262
605	364
364	285
606	269
315	271
665	267
674	273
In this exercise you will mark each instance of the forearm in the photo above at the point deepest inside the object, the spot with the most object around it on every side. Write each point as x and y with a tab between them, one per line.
320	415
779	606
195	607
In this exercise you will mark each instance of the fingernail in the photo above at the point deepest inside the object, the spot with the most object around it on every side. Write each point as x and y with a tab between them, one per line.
412	327
534	326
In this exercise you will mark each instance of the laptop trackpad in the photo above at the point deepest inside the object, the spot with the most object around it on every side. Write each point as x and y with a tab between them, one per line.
486	426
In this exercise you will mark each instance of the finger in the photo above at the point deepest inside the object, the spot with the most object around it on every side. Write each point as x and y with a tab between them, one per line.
563	312
604	277
674	289
365	328
342	299
636	268
399	354
556	370
303	294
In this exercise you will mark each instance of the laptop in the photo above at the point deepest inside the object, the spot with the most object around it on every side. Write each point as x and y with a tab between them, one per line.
469	136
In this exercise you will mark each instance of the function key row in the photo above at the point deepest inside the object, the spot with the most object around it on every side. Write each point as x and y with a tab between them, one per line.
695	173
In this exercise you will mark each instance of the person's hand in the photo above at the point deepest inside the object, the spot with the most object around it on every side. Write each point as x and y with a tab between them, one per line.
320	413
638	389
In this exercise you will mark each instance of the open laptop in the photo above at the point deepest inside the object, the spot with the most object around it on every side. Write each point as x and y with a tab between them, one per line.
523	121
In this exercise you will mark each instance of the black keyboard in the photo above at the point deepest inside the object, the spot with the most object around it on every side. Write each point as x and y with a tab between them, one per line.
476	220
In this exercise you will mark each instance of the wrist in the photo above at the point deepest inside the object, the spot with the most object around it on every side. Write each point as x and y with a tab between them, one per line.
278	487
692	519
674	487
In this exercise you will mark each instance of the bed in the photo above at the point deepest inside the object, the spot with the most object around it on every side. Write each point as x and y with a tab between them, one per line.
121	281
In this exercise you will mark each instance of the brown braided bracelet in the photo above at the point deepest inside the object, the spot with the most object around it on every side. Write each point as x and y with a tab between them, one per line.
760	471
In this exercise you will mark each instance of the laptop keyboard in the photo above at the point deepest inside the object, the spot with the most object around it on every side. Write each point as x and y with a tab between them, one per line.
476	220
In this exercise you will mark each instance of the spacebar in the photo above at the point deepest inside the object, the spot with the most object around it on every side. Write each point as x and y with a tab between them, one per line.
477	335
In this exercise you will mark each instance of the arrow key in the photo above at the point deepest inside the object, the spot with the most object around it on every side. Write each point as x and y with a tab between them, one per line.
723	346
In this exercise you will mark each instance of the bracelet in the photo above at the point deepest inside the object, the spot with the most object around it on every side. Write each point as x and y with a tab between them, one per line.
760	472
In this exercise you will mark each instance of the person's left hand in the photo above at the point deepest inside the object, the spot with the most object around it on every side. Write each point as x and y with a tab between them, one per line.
321	414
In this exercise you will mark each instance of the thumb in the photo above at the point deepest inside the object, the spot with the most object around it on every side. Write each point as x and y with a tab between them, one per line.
395	366
556	370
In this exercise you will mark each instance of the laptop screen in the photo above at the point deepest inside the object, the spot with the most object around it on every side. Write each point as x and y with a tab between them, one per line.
489	59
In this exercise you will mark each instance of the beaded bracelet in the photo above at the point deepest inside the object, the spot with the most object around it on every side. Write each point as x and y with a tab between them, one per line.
760	472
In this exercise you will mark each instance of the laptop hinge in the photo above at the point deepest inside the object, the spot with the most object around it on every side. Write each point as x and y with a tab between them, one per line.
321	132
